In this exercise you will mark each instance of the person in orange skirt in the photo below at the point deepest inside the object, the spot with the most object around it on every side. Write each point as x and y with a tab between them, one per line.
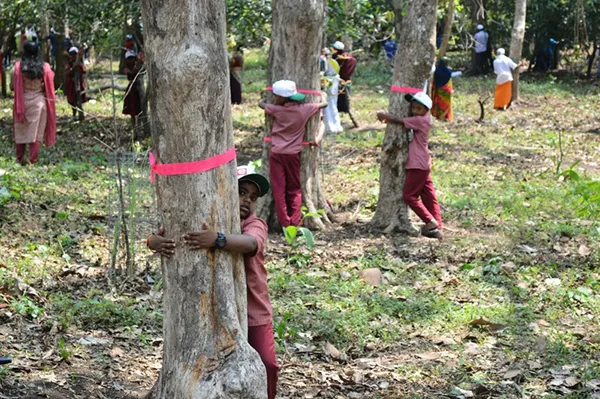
503	67
441	91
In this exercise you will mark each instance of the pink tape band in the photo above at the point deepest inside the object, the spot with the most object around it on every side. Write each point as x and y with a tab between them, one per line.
187	168
313	92
269	139
402	89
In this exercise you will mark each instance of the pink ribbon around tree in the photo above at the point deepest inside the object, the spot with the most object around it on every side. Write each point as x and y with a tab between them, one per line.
188	168
402	89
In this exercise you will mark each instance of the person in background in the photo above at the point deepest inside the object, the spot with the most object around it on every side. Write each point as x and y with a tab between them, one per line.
390	47
53	49
130	44
132	103
442	92
330	83
347	64
290	116
34	106
236	67
75	70
550	55
503	67
481	48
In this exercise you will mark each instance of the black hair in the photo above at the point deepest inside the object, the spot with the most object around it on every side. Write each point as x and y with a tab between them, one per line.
32	65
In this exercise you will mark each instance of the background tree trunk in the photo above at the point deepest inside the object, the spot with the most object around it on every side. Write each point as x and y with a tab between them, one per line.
44	32
516	43
397	6
60	71
447	29
412	68
206	353
295	48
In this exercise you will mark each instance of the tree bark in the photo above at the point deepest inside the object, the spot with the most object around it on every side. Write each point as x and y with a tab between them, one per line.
516	44
294	55
397	6
44	32
412	67
206	353
447	29
61	51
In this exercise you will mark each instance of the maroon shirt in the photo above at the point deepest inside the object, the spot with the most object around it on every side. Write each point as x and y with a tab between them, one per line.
289	122
347	65
418	148
260	310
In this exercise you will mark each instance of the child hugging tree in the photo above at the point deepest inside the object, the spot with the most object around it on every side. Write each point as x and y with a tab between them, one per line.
289	121
419	192
252	244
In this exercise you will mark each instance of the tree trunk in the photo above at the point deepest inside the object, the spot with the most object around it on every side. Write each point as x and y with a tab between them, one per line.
412	67
206	353
516	44
397	6
298	60
77	76
591	59
60	71
447	29
44	32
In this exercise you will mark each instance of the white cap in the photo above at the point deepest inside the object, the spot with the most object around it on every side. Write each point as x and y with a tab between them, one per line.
421	98
479	27
130	54
500	51
287	89
73	50
338	45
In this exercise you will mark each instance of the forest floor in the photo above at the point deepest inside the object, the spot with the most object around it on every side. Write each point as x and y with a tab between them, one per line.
506	306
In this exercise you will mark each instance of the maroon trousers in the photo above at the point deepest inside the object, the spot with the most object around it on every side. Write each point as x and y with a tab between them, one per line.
285	184
419	195
262	340
34	152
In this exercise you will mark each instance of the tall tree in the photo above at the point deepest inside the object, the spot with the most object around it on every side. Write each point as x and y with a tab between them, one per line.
516	43
447	29
295	48
206	354
412	68
397	6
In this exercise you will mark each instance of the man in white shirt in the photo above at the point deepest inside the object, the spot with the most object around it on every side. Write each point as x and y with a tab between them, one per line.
481	46
503	67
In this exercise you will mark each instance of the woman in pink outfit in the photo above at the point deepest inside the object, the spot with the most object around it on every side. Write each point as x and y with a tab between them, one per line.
34	109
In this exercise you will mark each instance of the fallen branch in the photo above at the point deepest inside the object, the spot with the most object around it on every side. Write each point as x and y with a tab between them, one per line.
106	87
482	108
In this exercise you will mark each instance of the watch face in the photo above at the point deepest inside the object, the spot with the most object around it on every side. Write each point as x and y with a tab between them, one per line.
221	241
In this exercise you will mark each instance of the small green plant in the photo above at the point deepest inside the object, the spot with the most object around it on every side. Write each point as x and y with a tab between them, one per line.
294	233
26	307
283	328
64	351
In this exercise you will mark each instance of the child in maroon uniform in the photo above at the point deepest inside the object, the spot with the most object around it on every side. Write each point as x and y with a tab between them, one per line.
251	243
289	121
419	192
75	66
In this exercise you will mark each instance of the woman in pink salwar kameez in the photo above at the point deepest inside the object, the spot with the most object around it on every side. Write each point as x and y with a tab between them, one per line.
34	107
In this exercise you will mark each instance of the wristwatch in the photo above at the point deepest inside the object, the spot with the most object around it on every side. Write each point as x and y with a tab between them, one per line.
221	241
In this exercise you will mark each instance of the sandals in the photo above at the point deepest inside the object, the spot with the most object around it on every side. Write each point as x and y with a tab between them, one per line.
432	233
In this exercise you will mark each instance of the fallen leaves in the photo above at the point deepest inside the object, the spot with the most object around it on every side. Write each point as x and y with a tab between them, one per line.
487	325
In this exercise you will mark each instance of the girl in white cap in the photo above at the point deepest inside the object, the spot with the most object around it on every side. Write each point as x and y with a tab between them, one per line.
75	66
418	191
